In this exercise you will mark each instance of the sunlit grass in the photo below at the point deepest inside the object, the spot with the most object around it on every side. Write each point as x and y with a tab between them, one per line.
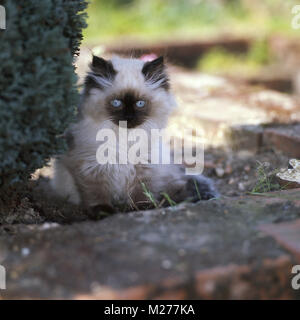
265	179
220	61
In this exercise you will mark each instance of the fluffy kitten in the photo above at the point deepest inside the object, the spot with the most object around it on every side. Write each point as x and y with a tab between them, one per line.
122	90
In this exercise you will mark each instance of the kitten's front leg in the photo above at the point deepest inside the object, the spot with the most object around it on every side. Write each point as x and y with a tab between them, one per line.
95	196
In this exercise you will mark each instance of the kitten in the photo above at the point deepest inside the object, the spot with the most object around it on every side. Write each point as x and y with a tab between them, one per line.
122	90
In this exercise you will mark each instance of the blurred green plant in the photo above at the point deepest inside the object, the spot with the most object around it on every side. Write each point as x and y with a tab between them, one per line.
175	19
266	180
259	53
37	83
219	60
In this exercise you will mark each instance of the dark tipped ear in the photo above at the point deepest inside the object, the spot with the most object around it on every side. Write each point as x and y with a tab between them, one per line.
98	62
156	65
102	74
102	67
155	73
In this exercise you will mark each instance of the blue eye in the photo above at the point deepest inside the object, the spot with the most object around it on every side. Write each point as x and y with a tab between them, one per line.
140	103
116	103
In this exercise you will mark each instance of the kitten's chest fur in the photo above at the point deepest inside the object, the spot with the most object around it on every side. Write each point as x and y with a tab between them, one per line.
120	180
116	180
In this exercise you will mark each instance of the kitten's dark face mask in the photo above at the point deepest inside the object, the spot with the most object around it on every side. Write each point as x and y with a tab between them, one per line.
128	106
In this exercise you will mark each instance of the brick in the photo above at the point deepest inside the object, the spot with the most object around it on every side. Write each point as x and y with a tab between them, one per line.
287	235
284	139
270	280
168	289
215	250
184	53
107	293
282	84
247	137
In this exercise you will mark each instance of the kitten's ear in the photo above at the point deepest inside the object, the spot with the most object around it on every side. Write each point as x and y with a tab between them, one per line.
102	74
155	73
102	67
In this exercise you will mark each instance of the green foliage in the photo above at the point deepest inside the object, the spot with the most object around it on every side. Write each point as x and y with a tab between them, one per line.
171	202
175	19
197	189
259	53
265	179
149	195
219	60
152	17
37	82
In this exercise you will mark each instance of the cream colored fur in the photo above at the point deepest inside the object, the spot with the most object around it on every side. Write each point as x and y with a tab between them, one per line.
81	179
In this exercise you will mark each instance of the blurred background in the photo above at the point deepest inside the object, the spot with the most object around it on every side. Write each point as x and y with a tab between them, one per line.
161	19
234	67
235	72
238	38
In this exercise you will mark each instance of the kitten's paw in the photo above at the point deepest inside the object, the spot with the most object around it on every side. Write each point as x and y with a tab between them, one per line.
201	188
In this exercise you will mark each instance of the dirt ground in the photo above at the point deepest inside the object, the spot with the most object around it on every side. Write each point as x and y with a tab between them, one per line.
212	249
238	173
233	173
200	96
207	250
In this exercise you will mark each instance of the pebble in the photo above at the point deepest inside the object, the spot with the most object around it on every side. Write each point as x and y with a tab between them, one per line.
48	225
25	252
220	172
166	264
241	186
231	181
228	169
247	168
181	252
